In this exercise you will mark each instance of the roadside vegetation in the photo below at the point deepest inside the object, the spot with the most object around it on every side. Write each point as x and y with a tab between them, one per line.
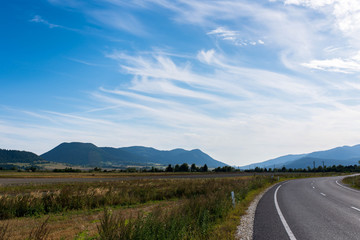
197	205
353	181
133	209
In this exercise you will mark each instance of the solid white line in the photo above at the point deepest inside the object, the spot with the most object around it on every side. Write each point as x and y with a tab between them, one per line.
346	187
286	226
323	194
356	209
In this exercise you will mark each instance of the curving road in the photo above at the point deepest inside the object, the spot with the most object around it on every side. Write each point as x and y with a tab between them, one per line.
313	208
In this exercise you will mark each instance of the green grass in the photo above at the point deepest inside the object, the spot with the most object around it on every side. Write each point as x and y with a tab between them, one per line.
353	182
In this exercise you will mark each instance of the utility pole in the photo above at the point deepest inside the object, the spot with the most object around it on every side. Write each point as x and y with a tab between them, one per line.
314	165
323	166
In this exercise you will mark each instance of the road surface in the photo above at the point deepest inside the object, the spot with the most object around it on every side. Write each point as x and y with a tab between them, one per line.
313	208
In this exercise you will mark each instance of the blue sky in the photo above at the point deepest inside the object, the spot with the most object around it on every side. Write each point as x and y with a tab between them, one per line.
244	81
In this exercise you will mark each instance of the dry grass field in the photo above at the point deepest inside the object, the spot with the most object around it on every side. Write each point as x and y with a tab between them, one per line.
149	208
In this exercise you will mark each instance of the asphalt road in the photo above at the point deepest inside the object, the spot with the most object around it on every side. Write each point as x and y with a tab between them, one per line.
313	208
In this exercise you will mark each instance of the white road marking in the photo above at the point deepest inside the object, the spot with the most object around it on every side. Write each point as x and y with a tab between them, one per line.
313	187
356	209
346	187
286	226
323	194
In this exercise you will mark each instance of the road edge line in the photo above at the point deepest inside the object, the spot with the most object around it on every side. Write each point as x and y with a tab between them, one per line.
286	226
355	208
351	189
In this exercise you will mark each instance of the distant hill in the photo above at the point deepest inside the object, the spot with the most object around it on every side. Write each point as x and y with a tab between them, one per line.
276	162
309	161
87	154
345	155
15	156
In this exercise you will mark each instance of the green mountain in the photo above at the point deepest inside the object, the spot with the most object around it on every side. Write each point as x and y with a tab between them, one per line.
15	156
87	154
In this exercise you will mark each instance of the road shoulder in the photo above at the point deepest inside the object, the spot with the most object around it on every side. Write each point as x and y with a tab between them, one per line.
245	229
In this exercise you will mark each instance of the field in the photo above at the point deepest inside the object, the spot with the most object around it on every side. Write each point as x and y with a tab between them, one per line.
149	208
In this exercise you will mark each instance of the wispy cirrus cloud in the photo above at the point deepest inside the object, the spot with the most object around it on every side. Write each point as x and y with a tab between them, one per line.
117	19
233	37
341	65
346	13
39	19
342	17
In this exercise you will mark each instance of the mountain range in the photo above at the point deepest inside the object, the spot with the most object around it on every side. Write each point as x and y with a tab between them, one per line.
345	155
88	154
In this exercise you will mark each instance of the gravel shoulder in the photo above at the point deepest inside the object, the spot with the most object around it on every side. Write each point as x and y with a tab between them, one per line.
246	227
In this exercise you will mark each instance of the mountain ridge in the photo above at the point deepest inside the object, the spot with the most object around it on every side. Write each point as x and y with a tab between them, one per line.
91	155
17	156
344	155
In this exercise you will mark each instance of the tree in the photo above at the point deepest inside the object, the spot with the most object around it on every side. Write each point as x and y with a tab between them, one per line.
193	168
177	168
184	167
205	168
169	168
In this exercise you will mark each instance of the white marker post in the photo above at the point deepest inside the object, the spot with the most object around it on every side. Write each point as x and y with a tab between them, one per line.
233	198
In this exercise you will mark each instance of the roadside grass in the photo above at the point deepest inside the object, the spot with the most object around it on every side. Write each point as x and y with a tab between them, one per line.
74	224
196	218
226	229
353	182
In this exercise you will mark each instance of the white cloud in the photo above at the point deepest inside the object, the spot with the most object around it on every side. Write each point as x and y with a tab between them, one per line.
350	65
233	37
224	33
342	18
206	56
346	12
39	19
118	19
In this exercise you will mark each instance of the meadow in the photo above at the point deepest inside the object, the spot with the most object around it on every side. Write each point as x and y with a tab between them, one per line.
183	208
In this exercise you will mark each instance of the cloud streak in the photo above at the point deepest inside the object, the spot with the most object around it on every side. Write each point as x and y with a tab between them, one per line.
233	37
39	19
